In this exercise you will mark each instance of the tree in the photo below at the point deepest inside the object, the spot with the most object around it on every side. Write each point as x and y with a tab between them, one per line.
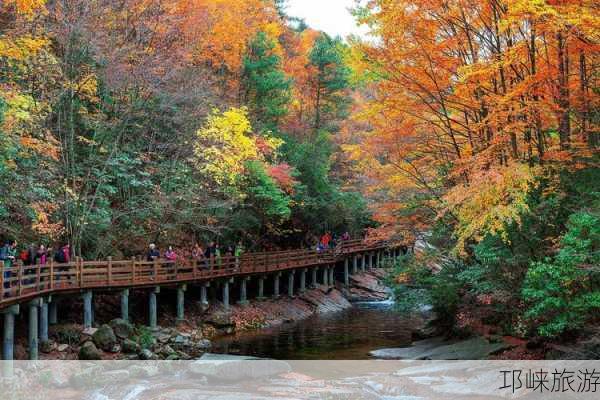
329	81
266	88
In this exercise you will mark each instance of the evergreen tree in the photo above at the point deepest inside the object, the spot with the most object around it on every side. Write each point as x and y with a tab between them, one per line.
267	89
330	82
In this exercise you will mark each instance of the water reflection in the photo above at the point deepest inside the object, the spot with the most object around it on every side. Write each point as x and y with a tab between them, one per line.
346	335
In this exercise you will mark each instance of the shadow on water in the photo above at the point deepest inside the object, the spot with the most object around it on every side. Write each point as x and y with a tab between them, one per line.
345	335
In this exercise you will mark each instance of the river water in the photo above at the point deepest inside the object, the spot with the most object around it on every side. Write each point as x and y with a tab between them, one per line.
346	335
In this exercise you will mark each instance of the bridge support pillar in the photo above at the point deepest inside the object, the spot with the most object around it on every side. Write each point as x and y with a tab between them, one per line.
291	283
325	275
313	283
88	316
226	293
276	284
181	302
125	304
152	308
244	291
332	275
363	264
8	340
378	259
261	287
44	319
33	328
303	280
53	312
354	265
347	272
204	295
371	260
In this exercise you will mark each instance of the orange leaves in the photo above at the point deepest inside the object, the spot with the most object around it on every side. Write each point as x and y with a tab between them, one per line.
27	7
222	29
283	176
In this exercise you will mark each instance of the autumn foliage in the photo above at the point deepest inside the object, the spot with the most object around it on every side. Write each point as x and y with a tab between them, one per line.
465	100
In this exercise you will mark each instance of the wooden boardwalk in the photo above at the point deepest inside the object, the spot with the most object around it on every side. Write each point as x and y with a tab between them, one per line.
21	283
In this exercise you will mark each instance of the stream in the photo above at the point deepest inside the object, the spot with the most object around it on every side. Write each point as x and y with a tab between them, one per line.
345	335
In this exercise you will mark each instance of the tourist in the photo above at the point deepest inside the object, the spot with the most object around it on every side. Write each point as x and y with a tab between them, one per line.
198	253
153	253
41	255
218	255
346	236
8	255
325	239
66	250
170	254
210	253
239	249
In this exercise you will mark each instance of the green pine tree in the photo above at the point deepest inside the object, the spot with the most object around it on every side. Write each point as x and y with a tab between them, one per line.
330	83
266	88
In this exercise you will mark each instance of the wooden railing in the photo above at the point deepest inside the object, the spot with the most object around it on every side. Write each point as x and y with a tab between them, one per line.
19	282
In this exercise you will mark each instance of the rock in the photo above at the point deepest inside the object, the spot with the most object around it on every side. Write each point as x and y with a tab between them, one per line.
89	331
172	357
85	376
89	351
231	368
166	350
129	346
436	349
181	340
122	328
220	319
143	370
146	354
47	346
116	348
112	377
163	337
104	338
203	344
62	347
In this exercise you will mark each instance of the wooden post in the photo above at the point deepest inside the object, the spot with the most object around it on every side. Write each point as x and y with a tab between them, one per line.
132	269
155	270
51	274
109	270
19	279
78	272
38	277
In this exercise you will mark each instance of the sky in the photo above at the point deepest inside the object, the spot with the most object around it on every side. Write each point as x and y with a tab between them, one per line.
331	16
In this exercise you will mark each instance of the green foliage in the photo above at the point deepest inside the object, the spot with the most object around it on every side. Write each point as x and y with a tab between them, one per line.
418	286
331	81
267	89
263	194
562	293
320	204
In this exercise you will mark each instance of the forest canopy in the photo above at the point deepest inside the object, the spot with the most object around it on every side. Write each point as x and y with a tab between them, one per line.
128	122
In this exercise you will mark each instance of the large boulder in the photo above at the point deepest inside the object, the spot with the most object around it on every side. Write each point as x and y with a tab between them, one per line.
104	338
220	367
129	346
89	351
220	319
122	328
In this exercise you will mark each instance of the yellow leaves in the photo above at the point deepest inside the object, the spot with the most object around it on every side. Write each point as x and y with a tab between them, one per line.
22	48
492	201
226	143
